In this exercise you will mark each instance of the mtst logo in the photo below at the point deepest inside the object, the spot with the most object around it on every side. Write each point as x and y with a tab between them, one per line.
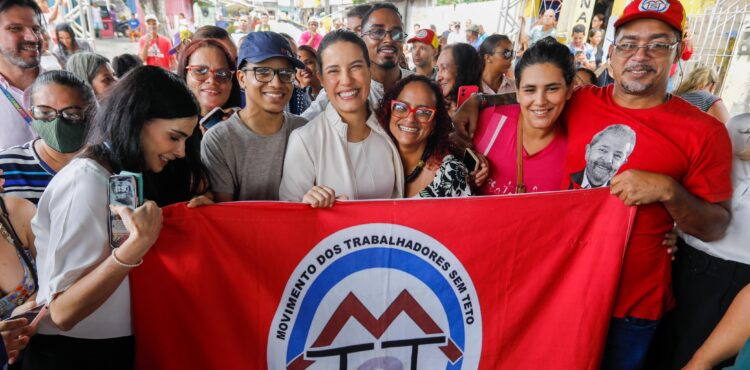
377	296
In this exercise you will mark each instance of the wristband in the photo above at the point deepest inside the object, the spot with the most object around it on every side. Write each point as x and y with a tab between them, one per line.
123	264
482	100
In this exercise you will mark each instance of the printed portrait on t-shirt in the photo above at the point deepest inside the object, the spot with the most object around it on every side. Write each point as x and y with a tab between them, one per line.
608	150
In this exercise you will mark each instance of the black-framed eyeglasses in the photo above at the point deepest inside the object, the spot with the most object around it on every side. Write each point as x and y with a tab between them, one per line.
506	53
45	113
266	74
655	49
397	34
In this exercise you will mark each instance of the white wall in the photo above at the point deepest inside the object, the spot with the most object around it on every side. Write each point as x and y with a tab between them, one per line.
485	13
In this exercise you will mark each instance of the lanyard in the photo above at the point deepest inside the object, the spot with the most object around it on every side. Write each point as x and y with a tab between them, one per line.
24	114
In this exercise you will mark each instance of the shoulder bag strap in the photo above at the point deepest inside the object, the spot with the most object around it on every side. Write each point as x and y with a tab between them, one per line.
520	186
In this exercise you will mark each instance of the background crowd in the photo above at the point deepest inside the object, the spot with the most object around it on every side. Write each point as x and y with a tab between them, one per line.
366	111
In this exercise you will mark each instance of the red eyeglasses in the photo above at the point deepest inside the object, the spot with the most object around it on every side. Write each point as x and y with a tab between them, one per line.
200	73
421	114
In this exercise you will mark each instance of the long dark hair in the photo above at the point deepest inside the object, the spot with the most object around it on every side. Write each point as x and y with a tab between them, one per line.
547	50
439	143
235	96
64	27
468	67
147	93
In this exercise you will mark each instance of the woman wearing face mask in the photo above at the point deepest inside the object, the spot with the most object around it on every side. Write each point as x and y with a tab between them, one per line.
344	151
416	120
67	43
61	105
457	66
209	71
95	69
81	278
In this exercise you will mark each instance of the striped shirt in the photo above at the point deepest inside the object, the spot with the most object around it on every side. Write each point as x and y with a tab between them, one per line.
25	173
701	99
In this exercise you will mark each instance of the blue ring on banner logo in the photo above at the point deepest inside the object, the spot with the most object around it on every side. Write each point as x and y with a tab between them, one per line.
377	257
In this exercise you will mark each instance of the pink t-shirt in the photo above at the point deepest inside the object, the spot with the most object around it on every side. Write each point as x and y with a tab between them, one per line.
304	38
496	139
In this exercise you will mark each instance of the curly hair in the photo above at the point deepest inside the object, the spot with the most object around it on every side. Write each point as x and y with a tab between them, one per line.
438	144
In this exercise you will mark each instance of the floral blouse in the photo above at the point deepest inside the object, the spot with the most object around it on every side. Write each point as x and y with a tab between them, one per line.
451	180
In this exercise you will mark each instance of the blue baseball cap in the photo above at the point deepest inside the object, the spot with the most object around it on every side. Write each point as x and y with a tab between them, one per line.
261	46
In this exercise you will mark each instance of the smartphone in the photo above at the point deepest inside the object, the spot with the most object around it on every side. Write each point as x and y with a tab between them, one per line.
213	117
33	315
471	160
464	93
125	189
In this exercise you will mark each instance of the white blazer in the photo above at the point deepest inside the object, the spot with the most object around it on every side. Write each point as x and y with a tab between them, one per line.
317	155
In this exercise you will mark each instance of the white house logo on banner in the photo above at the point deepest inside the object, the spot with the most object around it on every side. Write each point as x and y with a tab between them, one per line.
660	6
377	296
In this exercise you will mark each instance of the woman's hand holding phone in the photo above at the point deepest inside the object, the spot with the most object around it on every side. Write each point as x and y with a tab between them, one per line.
144	224
482	172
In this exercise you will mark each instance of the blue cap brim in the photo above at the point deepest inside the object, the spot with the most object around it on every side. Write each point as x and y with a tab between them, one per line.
295	62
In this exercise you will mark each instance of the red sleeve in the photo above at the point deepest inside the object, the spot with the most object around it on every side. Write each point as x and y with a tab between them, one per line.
710	176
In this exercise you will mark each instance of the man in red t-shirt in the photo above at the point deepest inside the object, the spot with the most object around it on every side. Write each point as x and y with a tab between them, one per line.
154	48
672	161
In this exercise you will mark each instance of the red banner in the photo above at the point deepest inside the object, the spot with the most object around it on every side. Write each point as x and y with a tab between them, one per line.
513	282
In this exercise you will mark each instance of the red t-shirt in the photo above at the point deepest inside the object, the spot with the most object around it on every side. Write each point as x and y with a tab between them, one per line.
673	138
496	139
158	51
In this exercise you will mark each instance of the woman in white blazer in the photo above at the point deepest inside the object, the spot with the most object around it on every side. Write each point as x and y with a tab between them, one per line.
342	153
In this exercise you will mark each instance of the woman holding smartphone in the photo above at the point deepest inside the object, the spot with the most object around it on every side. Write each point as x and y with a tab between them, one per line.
209	71
83	280
457	66
344	151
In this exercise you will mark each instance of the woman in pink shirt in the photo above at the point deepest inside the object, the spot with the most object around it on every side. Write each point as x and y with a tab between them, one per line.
311	37
544	84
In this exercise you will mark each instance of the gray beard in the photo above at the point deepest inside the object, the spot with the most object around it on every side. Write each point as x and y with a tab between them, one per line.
635	88
17	61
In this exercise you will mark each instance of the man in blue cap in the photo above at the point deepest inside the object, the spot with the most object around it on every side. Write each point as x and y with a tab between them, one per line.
245	154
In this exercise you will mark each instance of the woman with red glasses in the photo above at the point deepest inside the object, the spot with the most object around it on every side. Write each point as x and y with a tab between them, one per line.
209	70
411	115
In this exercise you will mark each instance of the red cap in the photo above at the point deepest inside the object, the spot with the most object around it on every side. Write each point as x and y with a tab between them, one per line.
670	12
426	36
